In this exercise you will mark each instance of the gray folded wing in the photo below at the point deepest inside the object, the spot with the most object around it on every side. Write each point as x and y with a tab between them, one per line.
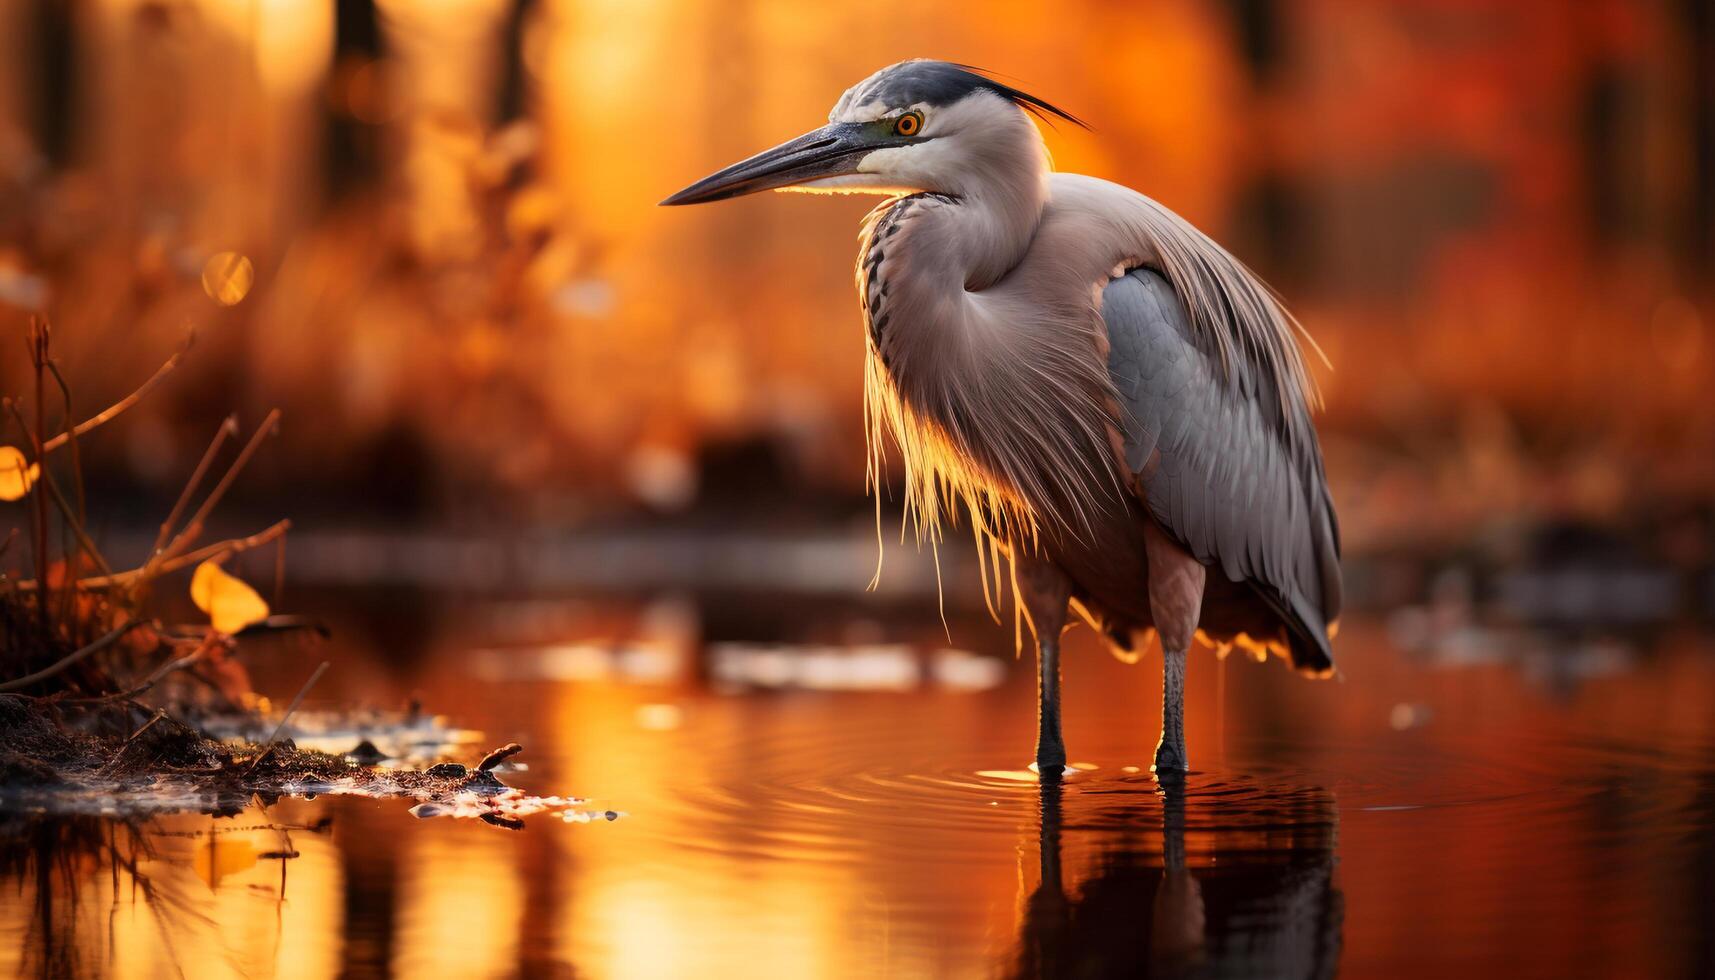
1237	476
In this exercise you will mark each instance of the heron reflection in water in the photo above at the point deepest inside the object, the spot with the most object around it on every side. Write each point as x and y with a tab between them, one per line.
1202	902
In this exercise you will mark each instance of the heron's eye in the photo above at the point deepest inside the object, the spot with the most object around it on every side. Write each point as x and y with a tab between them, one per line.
908	124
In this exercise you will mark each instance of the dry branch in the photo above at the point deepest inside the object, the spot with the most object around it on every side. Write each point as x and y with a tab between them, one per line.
194	528
106	415
229	547
72	658
268	746
227	428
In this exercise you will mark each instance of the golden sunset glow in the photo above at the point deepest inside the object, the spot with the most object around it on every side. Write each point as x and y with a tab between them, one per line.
568	469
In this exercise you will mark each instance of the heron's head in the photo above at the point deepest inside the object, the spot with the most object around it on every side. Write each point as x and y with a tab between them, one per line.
914	126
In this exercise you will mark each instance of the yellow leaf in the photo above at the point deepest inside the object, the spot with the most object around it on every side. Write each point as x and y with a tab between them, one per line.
219	858
16	478
231	605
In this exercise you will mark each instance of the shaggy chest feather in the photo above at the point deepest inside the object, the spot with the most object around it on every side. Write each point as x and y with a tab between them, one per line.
1002	413
882	235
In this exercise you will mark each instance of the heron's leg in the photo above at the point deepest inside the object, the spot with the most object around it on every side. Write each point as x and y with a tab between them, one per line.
1050	746
1176	603
1043	591
1170	751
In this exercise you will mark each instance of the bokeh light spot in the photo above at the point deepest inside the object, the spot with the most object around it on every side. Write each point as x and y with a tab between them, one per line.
227	278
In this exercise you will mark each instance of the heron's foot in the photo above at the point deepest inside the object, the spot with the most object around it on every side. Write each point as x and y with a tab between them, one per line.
1170	756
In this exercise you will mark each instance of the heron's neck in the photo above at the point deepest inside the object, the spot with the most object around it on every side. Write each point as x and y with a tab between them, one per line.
929	258
990	221
925	261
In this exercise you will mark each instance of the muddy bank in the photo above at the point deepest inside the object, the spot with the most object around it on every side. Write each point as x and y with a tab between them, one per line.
119	761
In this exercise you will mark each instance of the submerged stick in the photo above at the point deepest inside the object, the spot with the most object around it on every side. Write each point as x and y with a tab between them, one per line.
268	746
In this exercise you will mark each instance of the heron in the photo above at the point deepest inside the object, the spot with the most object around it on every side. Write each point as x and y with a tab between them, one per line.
1118	406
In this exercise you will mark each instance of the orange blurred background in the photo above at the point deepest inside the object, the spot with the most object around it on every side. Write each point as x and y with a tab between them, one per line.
1497	218
427	230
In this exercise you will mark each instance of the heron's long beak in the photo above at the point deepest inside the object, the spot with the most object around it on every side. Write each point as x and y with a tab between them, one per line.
831	151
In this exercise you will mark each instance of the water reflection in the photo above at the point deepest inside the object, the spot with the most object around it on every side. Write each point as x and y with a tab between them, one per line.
1203	900
170	896
794	830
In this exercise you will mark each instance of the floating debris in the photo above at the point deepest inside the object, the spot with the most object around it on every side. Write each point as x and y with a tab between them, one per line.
366	754
499	755
164	766
508	807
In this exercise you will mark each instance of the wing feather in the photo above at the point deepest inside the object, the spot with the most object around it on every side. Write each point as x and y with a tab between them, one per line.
1228	483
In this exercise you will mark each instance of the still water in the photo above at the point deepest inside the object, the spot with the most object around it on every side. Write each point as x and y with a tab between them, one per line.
806	793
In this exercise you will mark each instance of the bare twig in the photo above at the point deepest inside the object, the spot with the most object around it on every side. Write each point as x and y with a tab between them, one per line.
262	431
107	414
154	678
76	459
229	547
227	428
72	658
194	527
38	353
220	548
157	716
268	746
74	521
279	570
120	754
75	525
